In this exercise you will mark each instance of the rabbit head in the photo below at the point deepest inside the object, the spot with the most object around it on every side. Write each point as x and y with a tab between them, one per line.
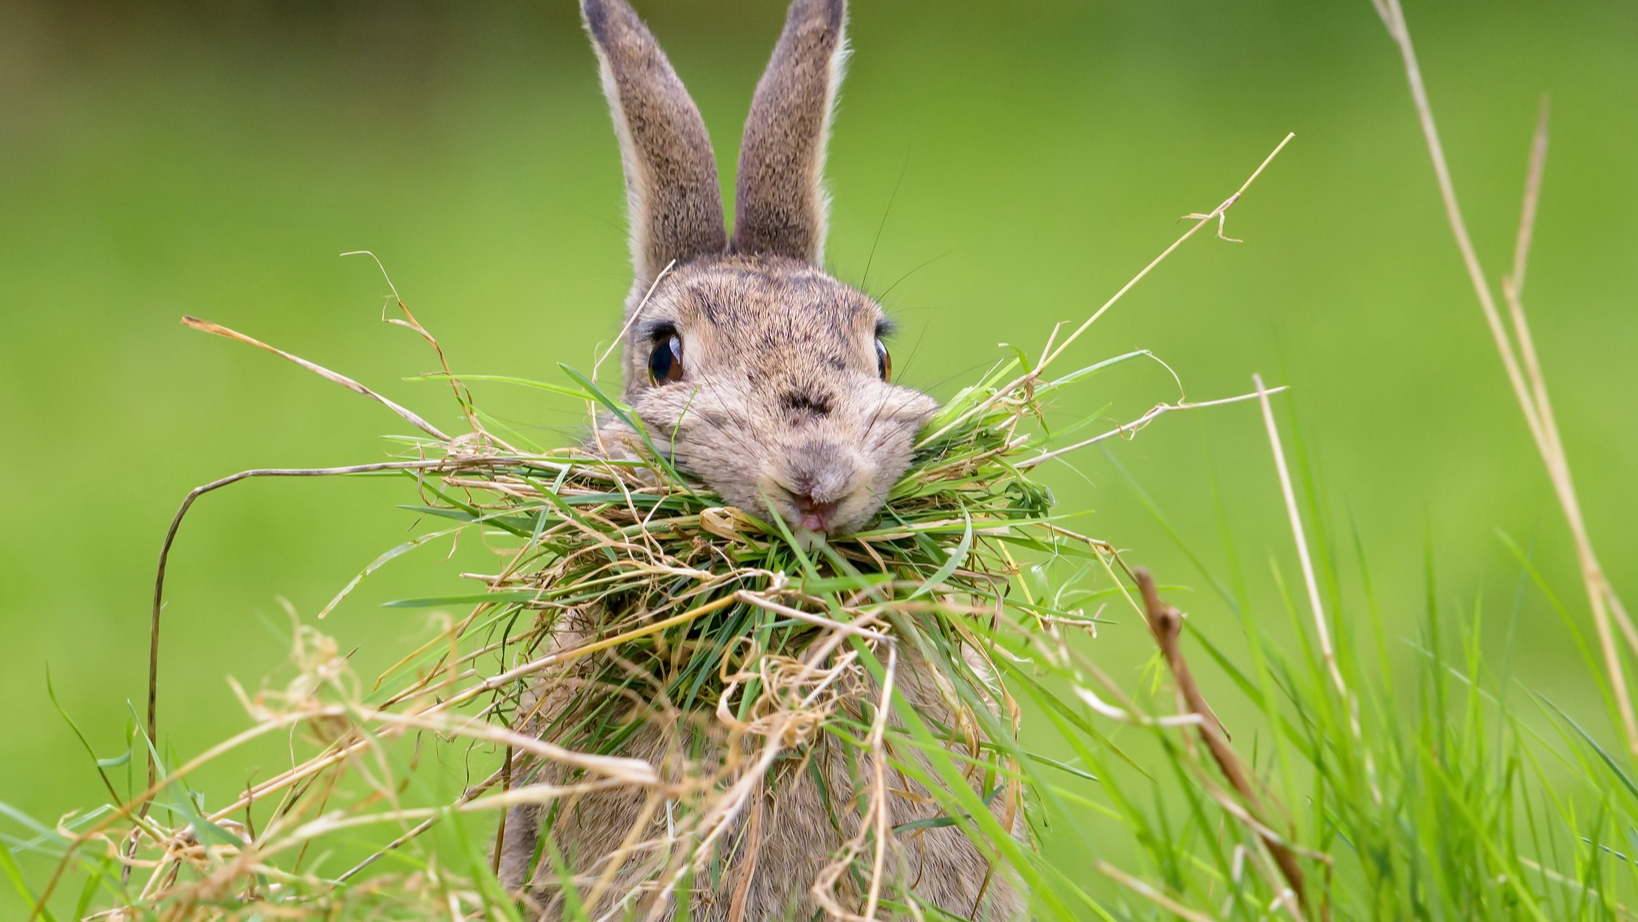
758	372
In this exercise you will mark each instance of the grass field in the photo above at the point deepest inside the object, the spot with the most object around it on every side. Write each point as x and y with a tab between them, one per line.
996	169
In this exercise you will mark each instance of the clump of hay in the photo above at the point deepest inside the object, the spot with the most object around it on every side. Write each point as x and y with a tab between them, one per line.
638	599
644	602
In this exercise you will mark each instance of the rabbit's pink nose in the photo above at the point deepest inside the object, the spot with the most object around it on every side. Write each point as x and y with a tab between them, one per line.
814	516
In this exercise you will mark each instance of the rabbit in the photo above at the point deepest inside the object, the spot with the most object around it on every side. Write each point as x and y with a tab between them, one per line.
767	379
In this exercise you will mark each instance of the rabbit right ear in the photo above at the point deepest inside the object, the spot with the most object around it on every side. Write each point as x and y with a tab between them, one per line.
781	204
673	200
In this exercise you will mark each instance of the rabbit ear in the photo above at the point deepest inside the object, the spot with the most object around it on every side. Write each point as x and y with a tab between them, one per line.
672	198
781	203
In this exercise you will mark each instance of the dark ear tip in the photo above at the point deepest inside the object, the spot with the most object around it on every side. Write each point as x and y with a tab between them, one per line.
595	12
833	12
602	15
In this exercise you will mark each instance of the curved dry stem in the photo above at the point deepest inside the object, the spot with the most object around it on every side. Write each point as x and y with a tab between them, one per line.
1524	374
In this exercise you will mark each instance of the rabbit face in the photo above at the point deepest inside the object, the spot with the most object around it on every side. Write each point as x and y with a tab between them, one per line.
765	377
759	372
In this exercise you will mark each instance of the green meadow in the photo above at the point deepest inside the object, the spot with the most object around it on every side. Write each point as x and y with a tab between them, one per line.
996	169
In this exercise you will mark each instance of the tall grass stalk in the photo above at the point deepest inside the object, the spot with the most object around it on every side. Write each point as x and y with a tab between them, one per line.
1518	354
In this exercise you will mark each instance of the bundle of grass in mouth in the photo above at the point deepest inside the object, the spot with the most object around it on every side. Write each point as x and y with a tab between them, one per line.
833	713
693	694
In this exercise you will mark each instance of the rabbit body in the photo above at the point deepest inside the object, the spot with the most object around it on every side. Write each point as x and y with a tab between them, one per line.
767	379
800	813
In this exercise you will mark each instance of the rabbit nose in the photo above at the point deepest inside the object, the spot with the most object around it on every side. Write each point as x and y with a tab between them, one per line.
822	477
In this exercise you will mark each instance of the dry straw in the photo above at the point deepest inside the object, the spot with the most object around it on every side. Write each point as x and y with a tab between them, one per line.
1517	350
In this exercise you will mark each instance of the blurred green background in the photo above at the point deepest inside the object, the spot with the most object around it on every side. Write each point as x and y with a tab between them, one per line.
999	167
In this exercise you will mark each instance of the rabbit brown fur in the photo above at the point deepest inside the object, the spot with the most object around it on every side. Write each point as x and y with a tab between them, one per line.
778	401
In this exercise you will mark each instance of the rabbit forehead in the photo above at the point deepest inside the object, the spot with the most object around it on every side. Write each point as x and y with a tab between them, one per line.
730	309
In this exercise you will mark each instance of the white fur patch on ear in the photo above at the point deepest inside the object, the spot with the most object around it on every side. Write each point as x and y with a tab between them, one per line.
821	189
638	180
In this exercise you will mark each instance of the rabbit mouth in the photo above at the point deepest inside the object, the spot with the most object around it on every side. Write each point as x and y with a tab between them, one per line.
813	515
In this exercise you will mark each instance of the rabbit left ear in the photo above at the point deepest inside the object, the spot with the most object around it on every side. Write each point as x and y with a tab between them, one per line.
781	203
672	197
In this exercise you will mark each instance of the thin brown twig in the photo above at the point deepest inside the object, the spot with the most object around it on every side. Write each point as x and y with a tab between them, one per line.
499	777
1166	624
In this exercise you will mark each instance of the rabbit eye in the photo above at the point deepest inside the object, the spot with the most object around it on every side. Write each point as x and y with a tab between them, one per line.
665	363
884	362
